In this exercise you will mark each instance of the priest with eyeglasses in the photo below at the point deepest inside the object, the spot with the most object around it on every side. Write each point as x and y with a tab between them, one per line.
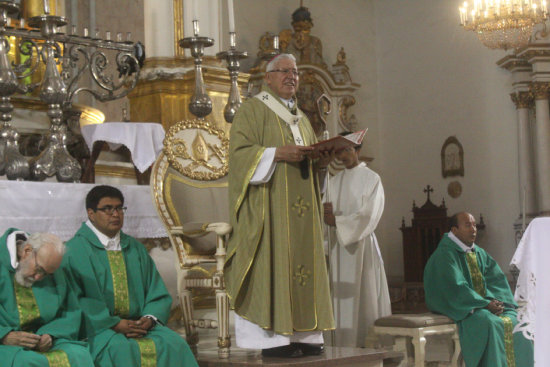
120	291
39	315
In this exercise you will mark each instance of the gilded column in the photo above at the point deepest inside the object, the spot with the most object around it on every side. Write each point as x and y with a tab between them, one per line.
526	162
542	145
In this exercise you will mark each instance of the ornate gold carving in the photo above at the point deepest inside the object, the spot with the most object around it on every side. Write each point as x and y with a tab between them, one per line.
178	27
341	57
198	164
348	123
522	99
224	342
540	89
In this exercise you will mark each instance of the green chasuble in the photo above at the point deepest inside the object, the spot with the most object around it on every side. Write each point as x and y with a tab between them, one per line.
275	269
48	307
460	285
115	285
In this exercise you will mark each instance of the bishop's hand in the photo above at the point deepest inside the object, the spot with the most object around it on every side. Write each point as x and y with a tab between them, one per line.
129	328
292	153
496	307
45	343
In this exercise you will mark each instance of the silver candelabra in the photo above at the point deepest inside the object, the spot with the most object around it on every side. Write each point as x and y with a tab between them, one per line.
232	57
77	56
201	104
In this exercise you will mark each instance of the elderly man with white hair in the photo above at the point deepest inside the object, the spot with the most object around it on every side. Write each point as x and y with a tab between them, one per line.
275	269
39	316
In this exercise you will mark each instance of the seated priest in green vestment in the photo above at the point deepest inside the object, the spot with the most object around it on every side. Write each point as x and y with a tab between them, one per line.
39	315
463	282
275	270
123	298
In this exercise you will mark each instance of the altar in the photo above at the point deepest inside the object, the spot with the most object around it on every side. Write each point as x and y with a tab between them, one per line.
59	208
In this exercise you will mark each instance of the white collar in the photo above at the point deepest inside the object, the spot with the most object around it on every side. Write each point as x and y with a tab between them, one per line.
288	102
11	243
461	244
110	244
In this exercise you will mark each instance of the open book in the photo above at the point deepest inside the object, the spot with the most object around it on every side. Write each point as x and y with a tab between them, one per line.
339	142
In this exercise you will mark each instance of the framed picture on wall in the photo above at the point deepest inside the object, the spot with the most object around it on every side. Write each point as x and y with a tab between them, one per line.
452	158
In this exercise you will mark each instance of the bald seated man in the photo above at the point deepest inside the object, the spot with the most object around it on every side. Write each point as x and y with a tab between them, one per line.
463	282
39	316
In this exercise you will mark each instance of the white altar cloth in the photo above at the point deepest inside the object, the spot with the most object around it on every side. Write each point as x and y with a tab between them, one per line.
59	208
144	140
532	258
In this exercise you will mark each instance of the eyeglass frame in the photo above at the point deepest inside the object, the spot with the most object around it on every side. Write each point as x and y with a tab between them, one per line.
110	210
38	269
294	72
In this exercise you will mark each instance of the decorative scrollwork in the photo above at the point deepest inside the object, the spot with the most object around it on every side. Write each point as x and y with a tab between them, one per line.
212	164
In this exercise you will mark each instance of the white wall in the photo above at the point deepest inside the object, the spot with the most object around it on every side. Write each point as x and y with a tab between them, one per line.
436	80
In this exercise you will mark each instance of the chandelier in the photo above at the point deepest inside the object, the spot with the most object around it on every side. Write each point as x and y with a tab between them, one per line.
503	24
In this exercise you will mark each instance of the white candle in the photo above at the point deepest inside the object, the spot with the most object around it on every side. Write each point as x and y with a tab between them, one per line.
195	10
231	13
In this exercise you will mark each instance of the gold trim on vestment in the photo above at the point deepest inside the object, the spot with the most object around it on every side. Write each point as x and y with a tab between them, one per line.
247	178
57	358
29	314
509	340
254	256
147	351
475	273
120	283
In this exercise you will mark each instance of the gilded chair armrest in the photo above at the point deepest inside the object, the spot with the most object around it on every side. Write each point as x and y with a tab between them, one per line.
196	229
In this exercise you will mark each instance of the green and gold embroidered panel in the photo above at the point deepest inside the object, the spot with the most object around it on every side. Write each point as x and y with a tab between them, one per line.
509	340
148	352
29	314
120	283
57	358
475	273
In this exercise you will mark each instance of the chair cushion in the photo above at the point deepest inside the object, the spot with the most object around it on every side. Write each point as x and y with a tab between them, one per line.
413	320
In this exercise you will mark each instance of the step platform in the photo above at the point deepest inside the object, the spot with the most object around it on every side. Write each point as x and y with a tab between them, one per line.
333	356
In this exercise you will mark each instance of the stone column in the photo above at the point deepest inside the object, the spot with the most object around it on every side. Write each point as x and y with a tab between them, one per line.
526	164
542	145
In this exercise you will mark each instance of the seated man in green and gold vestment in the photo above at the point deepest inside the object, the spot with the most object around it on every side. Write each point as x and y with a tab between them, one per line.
466	284
122	295
39	316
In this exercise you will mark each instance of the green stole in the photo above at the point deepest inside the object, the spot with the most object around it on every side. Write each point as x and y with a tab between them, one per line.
29	318
477	280
121	297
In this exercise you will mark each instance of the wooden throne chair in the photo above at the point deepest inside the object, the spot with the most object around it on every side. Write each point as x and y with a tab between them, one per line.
189	189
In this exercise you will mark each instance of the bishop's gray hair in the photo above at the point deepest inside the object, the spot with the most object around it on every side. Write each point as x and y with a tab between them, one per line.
37	240
271	65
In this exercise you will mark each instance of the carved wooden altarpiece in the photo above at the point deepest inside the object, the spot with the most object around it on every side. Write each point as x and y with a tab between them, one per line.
316	78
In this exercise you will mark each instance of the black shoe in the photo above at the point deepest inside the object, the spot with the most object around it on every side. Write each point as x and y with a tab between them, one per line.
284	351
310	349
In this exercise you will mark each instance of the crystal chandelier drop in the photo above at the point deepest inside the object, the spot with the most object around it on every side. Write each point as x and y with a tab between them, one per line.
503	24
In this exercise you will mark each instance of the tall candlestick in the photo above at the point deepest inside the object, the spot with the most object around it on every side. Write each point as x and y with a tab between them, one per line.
232	40
195	10
231	13
276	42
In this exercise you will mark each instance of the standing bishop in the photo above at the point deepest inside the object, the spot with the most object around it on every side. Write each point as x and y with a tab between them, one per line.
275	269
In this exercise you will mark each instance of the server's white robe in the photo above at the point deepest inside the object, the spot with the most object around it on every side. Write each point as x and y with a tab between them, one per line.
360	288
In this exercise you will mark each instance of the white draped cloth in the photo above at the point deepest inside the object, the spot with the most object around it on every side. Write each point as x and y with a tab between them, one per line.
532	258
360	288
59	208
144	140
